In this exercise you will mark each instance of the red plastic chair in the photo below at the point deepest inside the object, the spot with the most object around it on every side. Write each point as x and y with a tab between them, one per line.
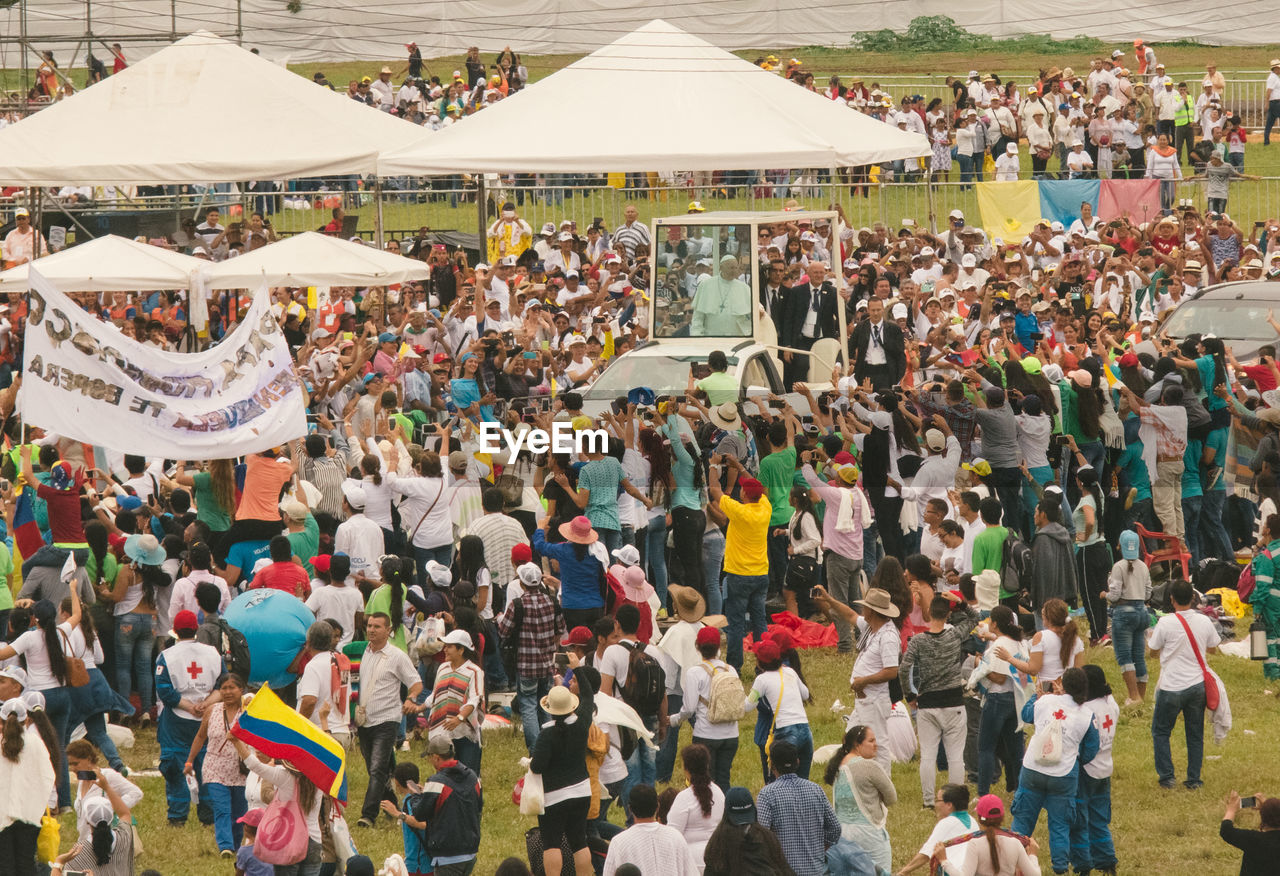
1174	553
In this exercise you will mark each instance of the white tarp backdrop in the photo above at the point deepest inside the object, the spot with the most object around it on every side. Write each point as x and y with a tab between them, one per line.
329	30
86	381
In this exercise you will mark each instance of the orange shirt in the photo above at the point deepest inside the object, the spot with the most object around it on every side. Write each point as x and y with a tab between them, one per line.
264	476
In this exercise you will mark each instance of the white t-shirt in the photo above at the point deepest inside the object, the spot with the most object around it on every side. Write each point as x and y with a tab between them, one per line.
1050	645
1076	721
948	829
784	682
31	645
686	816
317	681
338	603
75	638
1106	715
617	660
1179	668
361	539
876	651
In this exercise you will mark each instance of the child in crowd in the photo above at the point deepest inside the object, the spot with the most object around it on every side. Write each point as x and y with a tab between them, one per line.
405	777
247	864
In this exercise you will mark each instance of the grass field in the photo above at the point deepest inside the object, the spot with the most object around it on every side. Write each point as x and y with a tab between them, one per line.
1155	831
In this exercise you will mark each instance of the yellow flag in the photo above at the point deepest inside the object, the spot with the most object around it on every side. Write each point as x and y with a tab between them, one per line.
1009	209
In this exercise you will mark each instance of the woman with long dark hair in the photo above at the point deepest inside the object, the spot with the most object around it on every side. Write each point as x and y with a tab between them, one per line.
91	703
779	695
688	519
108	849
25	764
1093	554
388	598
994	851
291	784
998	721
862	794
221	769
741	844
697	809
44	649
560	505
662	484
134	595
1053	650
102	569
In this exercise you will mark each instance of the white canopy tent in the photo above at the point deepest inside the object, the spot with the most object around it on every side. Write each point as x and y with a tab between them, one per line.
314	259
202	110
109	264
683	104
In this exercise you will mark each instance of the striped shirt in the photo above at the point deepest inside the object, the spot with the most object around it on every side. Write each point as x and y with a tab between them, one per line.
454	689
627	237
500	534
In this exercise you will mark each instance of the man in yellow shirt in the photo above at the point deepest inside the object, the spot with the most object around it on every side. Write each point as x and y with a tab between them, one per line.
746	552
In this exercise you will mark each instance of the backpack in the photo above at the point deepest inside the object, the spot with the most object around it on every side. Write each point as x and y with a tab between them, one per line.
234	649
725	697
1015	564
1246	583
646	681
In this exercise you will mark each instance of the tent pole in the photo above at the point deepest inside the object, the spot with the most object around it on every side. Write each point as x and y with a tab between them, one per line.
928	188
377	194
482	224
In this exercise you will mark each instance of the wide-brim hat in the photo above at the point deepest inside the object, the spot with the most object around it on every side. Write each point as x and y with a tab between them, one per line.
579	531
687	604
145	549
559	701
880	602
726	417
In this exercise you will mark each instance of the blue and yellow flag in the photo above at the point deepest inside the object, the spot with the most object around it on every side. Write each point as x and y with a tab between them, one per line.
278	731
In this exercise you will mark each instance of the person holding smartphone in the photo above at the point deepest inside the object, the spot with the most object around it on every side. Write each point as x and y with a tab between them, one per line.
1260	846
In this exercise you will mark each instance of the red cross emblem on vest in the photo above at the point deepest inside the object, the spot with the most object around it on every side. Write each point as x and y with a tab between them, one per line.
194	670
1060	715
1107	722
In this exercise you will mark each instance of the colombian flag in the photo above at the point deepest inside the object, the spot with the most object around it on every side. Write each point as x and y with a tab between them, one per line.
26	533
278	731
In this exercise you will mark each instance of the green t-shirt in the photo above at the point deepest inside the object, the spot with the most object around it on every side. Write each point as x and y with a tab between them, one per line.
109	568
720	387
777	473
306	544
207	508
988	549
380	600
6	569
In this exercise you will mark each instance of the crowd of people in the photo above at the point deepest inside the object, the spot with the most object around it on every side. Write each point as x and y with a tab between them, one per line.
970	505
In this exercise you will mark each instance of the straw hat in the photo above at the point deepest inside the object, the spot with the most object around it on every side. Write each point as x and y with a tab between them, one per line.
579	531
726	417
559	701
687	604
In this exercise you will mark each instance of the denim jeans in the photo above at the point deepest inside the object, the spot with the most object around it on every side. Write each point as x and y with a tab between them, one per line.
872	549
655	556
57	706
998	722
1169	704
1056	795
135	635
713	570
468	753
228	805
611	539
641	767
744	595
308	866
665	759
723	752
378	748
1214	540
528	692
1129	622
1191	509
801	737
1091	844
442	555
604	828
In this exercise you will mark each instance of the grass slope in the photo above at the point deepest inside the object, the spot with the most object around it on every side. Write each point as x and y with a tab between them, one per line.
1155	831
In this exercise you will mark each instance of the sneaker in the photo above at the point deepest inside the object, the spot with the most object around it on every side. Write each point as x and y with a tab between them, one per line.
1169	786
928	807
662	614
364	822
1105	641
1129	702
177	822
227	855
1193	786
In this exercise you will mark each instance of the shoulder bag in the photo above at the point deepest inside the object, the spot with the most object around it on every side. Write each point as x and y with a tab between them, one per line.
77	674
1211	697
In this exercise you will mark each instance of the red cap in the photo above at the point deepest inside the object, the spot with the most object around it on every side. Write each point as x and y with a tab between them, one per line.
578	636
520	554
844	457
708	636
768	652
989	806
421	351
438	358
1129	360
751	488
320	563
253	817
186	620
783	640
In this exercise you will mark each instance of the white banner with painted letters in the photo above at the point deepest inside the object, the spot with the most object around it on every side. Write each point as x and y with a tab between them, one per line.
84	380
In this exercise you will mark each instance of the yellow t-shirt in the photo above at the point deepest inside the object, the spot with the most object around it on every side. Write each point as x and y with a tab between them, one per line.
746	550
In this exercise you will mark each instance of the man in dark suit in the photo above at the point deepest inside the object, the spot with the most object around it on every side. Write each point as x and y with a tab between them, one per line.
809	314
773	292
877	349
